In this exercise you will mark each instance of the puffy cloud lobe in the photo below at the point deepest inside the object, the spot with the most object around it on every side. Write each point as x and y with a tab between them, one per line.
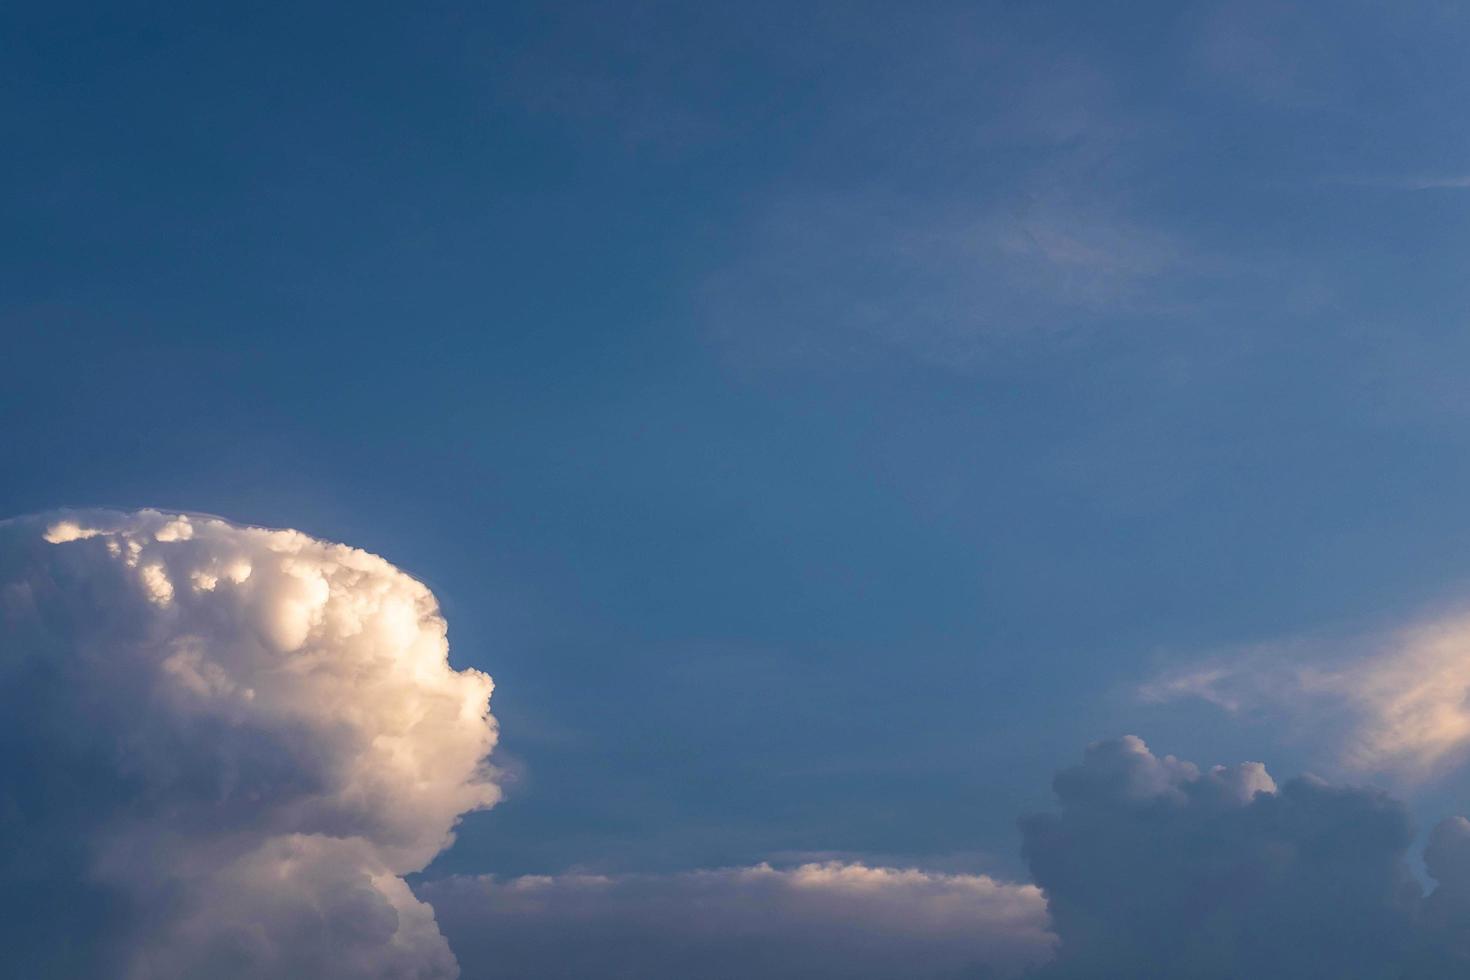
1155	869
830	920
223	748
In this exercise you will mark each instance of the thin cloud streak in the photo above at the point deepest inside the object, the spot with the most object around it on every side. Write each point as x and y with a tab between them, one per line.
1395	702
1412	183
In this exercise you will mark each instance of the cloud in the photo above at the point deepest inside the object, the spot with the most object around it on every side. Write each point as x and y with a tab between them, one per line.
223	749
1209	682
1411	698
1153	868
1411	183
1446	919
866	274
1150	867
1394	702
1285	55
985	200
824	920
1459	182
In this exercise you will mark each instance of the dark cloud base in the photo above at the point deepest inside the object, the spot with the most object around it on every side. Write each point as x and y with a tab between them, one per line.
1153	869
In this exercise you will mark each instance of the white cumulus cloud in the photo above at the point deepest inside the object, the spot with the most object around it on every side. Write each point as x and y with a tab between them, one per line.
224	747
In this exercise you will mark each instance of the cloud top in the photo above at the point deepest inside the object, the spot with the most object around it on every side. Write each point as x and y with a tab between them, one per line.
227	746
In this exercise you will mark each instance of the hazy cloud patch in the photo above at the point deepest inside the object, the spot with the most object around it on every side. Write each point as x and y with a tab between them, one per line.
867	275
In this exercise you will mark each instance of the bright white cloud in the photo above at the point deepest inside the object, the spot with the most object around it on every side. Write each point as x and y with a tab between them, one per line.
236	741
817	921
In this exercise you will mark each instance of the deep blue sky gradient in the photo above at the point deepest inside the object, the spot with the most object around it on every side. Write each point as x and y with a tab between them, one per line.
817	419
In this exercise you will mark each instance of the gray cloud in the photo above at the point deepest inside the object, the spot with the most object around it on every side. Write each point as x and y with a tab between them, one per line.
1153	868
223	747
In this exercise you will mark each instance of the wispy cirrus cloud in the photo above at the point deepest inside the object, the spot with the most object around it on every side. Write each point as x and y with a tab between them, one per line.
1393	702
837	275
1456	182
1408	182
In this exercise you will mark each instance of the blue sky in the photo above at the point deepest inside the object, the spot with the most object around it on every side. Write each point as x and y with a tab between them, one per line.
820	421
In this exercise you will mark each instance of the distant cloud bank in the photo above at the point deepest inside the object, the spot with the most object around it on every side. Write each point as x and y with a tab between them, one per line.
817	922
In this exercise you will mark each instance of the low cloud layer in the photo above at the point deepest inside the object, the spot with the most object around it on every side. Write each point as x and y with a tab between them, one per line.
224	747
830	921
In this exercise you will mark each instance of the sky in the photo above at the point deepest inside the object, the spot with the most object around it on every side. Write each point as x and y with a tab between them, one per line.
823	421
